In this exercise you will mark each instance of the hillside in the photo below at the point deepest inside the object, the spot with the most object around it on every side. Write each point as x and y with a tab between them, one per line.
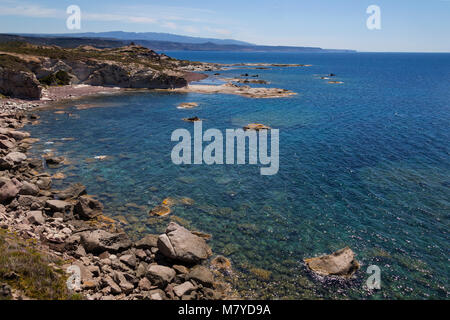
26	68
160	43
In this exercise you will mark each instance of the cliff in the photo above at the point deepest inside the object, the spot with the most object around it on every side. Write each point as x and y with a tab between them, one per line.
26	68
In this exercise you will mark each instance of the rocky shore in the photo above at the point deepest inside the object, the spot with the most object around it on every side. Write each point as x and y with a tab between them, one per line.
231	88
69	225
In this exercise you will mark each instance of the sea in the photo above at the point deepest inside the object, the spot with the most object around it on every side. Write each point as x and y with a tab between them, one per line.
363	163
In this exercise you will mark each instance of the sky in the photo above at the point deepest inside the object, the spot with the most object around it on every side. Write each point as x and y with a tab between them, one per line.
406	25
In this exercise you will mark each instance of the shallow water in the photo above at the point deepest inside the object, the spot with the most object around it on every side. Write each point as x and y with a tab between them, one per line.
363	164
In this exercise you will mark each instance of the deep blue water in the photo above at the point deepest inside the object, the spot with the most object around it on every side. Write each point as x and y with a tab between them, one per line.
363	164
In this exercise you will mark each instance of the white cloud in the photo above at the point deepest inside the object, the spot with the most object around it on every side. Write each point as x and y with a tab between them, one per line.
28	10
170	25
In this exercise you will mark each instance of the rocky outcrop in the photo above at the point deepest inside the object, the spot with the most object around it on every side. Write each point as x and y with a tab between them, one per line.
342	263
19	84
24	75
180	244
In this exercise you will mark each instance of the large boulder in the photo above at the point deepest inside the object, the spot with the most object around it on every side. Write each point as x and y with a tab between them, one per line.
342	263
29	189
9	189
160	276
16	157
88	208
180	244
99	241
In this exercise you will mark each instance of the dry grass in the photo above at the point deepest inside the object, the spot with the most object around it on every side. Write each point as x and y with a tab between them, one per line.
26	269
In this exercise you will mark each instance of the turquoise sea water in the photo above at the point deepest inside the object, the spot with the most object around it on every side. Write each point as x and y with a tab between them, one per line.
363	164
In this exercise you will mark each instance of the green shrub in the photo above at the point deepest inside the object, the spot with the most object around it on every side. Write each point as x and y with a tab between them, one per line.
59	78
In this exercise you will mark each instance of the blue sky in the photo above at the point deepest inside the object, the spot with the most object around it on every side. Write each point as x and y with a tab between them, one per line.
407	25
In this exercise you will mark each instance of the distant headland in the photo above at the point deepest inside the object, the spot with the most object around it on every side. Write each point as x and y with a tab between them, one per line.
159	42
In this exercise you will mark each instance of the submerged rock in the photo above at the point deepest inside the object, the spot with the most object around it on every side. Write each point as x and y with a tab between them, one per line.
342	263
180	244
160	211
222	264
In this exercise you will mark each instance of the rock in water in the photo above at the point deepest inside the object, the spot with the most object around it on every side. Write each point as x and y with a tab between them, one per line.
256	127
342	263
88	208
74	191
180	244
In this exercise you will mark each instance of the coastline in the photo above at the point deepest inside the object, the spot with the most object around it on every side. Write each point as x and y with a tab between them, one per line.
69	226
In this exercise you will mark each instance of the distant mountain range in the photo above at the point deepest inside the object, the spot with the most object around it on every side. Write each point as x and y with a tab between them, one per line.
148	36
156	41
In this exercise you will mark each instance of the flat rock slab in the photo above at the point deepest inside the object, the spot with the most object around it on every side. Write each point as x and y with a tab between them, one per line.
342	263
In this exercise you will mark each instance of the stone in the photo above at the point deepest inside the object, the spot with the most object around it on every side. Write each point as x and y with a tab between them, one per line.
160	211
160	276
27	201
148	242
183	289
342	263
50	160
35	217
123	283
17	135
256	127
99	241
221	264
201	275
88	208
44	183
141	254
90	284
6	144
108	282
74	191
145	284
58	205
16	157
9	189
6	164
180	244
180	269
141	270
158	295
29	189
187	105
129	259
